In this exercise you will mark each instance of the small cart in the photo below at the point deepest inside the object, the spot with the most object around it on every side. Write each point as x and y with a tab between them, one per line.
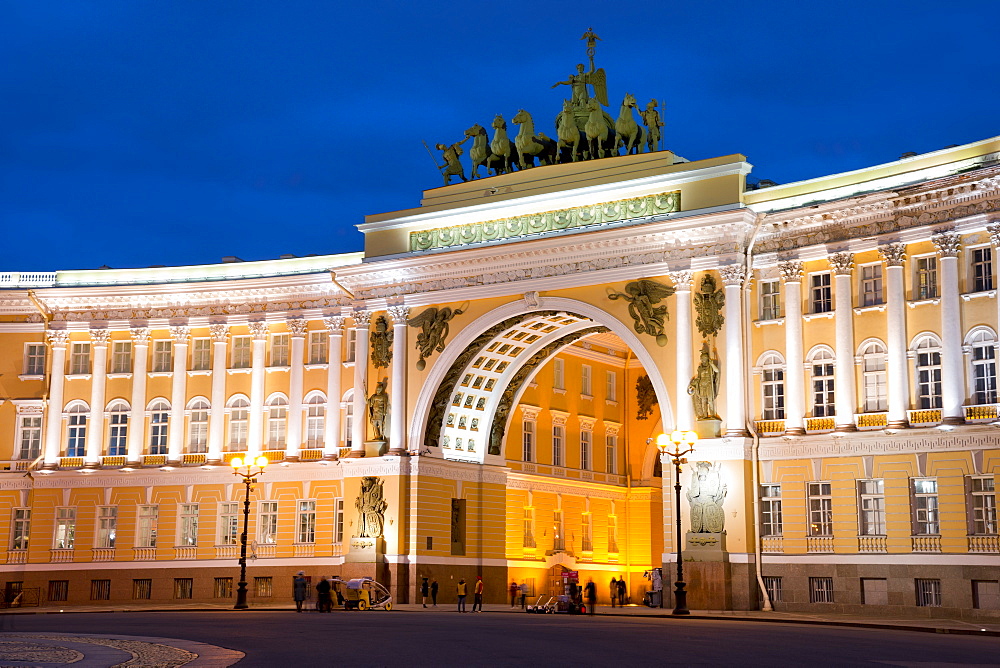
365	593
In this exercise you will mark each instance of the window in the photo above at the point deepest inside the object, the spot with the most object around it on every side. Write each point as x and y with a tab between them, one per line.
58	590
30	440
65	529
262	587
20	528
338	520
986	594
820	295
319	346
201	354
772	584
770	300
277	419
117	430
928	373
822	381
874	591
611	453
926	281
306	522
984	368
350	342
240	355
198	426
871	284
925	507
820	509
279	350
158	423
773	388
239	416
79	358
528	527
928	593
146	529
163	355
315	421
586	387
587	529
34	359
871	507
347	405
188	534
558	438
76	431
100	590
558	541
610	385
528	440
559	374
585	438
983	505
183	587
873	375
223	588
229	524
142	588
267	525
121	357
612	533
821	590
107	526
770	509
982	269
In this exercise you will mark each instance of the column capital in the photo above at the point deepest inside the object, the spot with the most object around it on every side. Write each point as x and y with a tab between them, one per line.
791	270
842	263
297	326
57	337
362	318
100	336
994	230
732	274
947	242
180	334
220	332
258	329
681	279
399	314
893	254
334	323
140	335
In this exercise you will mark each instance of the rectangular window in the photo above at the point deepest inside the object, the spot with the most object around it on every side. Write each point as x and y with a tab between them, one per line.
528	527
229	524
146	530
163	355
158	423
586	386
315	425
319	345
198	428
121	357
983	505
58	590
223	588
30	441
117	433
240	355
20	529
926	281
558	438
925	507
34	359
306	522
821	590
871	284
183	587
612	534
188	534
267	525
611	453
279	350
107	526
100	590
770	300
982	268
929	379
772	583
201	354
984	373
262	587
65	529
820	294
611	386
823	385
350	341
986	594
588	532
874	379
142	588
820	509
558	530
79	358
559	374
874	591
871	507
928	593
528	440
773	390
770	509
585	440
338	520
76	435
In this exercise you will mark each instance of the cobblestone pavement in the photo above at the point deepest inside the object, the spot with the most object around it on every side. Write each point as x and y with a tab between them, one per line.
84	650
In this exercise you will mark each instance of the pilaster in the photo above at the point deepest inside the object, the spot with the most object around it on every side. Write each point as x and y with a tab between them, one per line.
791	273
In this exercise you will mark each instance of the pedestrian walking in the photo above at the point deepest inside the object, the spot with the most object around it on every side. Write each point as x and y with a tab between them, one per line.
299	586
425	590
477	594
462	591
524	595
434	592
622	593
514	591
323	595
614	590
590	593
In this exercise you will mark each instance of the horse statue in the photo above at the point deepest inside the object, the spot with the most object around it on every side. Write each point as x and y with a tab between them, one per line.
570	136
630	134
600	133
480	152
504	151
529	145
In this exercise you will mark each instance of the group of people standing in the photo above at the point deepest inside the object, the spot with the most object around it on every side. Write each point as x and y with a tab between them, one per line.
619	591
326	589
429	589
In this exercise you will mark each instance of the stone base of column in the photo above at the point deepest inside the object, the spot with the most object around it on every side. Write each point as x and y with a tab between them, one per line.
174	462
953	420
397	452
93	465
846	428
736	433
332	457
133	462
897	424
795	431
213	462
292	458
48	466
355	454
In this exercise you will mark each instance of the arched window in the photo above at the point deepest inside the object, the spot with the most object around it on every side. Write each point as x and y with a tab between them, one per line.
159	421
315	420
772	383
821	363
928	358
347	406
277	420
76	429
984	368
198	410
117	429
239	415
875	396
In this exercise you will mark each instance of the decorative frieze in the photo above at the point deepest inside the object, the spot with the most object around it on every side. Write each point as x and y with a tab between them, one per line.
842	263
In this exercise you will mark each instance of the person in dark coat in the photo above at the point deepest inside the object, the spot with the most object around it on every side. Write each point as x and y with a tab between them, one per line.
323	595
299	588
590	593
425	590
622	592
434	592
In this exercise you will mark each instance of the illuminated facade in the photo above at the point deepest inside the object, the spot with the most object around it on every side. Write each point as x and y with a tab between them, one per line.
557	318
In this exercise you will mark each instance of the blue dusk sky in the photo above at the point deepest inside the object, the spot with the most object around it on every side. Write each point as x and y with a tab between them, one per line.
137	133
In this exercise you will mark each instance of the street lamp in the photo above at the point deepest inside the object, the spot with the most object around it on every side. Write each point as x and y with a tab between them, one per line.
688	439
245	469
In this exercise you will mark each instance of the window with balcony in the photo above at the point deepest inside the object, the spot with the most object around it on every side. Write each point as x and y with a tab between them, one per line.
306	522
611	453
267	523
773	387
107	526
875	394
558	439
159	423
277	420
982	504
229	523
585	449
198	426
770	509
315	421
187	536
928	364
29	436
239	416
820	509
924	501
984	367
528	440
871	508
20	528
118	416
821	363
65	535
147	526
76	430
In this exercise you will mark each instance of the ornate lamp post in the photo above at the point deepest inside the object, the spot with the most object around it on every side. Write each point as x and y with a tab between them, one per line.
688	439
248	469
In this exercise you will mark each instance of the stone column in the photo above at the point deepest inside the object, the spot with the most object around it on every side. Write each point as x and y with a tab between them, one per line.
683	407
293	435
99	380
952	365
397	391
255	425
359	431
736	417
217	423
178	389
845	386
791	273
898	377
331	435
994	231
137	417
53	424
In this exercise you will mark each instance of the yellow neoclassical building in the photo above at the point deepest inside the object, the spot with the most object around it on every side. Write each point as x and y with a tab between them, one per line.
479	393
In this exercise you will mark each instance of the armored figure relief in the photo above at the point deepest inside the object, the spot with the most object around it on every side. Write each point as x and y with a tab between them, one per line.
708	304
452	166
645	397
704	387
381	343
706	494
433	324
378	411
371	508
642	297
